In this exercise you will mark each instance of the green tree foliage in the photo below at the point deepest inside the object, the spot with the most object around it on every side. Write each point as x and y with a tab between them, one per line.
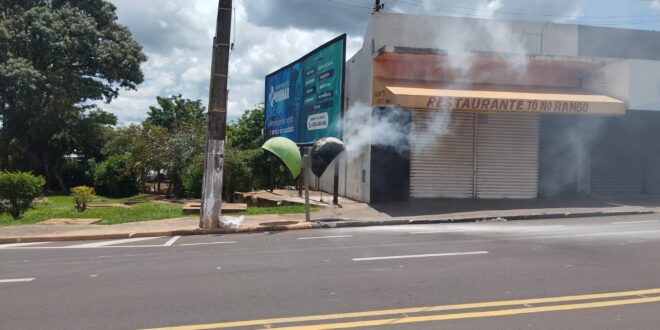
184	145
246	132
245	170
193	176
156	145
115	177
146	146
246	166
56	56
82	196
174	112
18	190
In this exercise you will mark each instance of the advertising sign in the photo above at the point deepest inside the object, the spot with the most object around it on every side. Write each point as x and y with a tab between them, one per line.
304	100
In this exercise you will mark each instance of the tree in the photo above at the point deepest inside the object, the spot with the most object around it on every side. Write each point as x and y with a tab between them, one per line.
185	143
173	112
56	58
115	176
185	121
146	147
246	132
92	131
247	167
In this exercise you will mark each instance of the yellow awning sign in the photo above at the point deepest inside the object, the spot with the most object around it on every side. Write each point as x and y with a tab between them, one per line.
421	95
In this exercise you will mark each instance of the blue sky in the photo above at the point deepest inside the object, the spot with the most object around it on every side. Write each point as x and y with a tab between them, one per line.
268	34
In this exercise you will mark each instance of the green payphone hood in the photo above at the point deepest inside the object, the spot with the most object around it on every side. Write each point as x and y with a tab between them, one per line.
286	151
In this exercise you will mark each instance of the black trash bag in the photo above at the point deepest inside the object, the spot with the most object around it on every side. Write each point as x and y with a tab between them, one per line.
323	152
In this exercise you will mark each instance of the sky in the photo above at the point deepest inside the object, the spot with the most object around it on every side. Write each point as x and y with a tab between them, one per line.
268	34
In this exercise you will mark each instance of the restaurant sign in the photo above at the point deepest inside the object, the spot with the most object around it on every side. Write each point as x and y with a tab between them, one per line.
508	105
558	101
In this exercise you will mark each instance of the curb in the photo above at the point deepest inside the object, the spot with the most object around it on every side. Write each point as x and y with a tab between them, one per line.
340	223
185	232
315	224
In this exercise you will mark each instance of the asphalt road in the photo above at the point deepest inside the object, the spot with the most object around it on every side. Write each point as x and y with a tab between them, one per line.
589	273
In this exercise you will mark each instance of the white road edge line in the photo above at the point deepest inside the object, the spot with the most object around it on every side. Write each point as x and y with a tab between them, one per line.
422	256
171	241
76	247
6	246
439	231
322	237
111	242
14	280
538	228
594	234
193	244
633	222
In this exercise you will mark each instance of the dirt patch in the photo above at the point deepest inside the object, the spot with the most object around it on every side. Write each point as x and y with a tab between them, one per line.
68	221
107	206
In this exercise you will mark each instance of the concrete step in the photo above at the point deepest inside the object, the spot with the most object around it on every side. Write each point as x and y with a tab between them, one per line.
195	208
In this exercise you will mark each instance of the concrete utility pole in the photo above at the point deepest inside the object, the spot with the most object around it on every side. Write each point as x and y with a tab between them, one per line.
215	137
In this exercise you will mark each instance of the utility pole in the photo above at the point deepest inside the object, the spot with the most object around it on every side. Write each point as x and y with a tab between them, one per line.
378	6
215	136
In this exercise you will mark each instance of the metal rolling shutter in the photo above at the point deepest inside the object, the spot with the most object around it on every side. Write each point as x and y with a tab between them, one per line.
651	140
652	166
442	165
617	166
507	156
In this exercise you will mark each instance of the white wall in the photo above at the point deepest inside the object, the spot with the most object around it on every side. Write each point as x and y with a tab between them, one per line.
609	79
326	182
358	115
636	82
644	85
467	34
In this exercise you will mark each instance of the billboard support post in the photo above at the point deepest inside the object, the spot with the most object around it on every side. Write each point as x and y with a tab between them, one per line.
300	178
335	184
271	182
214	159
305	161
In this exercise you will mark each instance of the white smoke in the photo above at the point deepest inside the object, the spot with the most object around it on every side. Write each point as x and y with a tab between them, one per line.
490	7
427	133
361	129
391	128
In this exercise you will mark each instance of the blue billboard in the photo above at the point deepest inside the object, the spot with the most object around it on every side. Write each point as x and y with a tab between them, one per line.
304	100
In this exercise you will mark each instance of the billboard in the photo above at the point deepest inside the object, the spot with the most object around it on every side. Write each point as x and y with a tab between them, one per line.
304	100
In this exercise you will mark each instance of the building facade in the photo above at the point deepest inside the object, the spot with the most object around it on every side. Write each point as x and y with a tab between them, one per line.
446	107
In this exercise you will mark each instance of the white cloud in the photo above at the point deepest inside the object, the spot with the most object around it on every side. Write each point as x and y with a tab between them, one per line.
654	4
177	37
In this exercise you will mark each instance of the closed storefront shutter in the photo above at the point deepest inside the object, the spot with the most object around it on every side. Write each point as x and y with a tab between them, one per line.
442	155
652	166
507	156
651	141
617	165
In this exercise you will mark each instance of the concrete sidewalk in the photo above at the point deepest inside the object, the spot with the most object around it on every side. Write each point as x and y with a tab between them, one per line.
347	214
